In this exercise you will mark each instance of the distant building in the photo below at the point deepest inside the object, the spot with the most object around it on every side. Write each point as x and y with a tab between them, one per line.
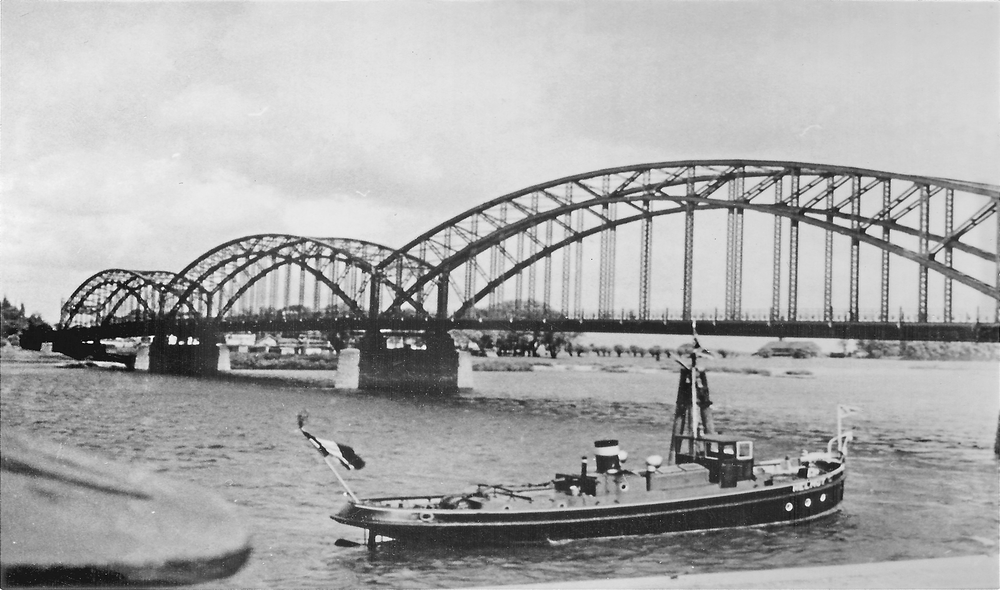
313	342
409	342
265	343
285	345
241	342
799	349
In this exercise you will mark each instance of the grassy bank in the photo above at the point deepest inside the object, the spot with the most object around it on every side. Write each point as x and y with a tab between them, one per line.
16	354
508	365
745	365
273	361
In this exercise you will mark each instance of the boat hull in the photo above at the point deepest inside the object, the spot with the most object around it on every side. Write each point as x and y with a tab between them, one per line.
787	503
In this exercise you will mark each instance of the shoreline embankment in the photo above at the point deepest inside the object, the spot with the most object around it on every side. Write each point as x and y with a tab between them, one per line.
969	571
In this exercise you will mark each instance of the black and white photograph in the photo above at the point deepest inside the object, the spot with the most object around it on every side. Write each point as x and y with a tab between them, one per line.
487	294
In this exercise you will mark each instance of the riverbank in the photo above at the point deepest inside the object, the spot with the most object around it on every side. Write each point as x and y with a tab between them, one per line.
743	364
320	372
15	354
970	571
504	365
272	361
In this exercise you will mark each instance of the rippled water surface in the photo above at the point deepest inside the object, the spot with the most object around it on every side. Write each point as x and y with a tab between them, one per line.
923	480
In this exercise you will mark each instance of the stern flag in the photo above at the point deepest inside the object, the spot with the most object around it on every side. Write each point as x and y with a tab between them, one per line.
845	411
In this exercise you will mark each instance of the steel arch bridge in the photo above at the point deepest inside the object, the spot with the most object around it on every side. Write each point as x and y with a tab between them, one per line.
829	245
117	293
253	274
926	221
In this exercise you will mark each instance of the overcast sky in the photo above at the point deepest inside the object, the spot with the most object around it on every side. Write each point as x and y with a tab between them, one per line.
140	135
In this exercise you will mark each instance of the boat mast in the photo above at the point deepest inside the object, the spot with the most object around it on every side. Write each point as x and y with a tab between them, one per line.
693	421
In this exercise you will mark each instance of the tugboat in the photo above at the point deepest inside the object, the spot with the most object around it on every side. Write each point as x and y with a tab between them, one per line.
709	481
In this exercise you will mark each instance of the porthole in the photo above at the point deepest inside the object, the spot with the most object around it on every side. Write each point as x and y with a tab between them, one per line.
822	497
788	507
808	502
426	516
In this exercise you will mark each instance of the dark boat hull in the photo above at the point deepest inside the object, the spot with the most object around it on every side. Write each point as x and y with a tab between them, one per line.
787	503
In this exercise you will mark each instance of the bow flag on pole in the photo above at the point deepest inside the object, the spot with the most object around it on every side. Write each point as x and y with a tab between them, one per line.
845	411
343	453
328	448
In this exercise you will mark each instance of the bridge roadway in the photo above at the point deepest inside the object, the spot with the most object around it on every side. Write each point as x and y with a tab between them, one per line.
902	331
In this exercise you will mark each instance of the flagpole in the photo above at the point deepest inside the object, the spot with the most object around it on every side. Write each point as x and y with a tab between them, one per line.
326	456
840	429
694	389
327	460
694	404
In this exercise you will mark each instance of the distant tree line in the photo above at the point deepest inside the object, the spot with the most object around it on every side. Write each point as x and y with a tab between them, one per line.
18	328
930	351
532	343
541	342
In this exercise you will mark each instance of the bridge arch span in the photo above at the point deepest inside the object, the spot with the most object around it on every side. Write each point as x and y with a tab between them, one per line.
117	294
216	282
498	241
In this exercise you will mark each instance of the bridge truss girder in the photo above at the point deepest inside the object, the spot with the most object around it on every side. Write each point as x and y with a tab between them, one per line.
837	200
213	284
118	295
344	266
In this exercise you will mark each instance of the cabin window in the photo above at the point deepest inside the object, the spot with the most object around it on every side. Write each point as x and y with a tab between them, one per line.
744	449
713	448
728	450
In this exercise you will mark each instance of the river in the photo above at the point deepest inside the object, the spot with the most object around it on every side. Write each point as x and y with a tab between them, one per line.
923	479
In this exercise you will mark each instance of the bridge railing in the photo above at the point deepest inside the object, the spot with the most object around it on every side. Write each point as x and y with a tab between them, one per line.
765	315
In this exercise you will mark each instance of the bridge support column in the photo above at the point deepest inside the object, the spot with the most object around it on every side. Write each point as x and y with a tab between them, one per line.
434	370
201	359
142	358
348	369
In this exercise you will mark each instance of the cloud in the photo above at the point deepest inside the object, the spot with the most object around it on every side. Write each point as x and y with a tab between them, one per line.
209	105
143	134
71	214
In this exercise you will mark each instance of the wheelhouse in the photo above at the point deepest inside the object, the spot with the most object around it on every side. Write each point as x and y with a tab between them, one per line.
729	459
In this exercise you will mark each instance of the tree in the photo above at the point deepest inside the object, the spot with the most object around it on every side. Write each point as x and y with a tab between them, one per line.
878	348
36	332
13	320
619	349
522	343
636	350
554	342
655	351
945	351
339	340
31	330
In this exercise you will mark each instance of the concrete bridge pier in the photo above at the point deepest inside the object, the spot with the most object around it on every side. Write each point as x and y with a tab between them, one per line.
202	359
437	369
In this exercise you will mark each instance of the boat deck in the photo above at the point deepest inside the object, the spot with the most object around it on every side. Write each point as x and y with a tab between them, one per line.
677	482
